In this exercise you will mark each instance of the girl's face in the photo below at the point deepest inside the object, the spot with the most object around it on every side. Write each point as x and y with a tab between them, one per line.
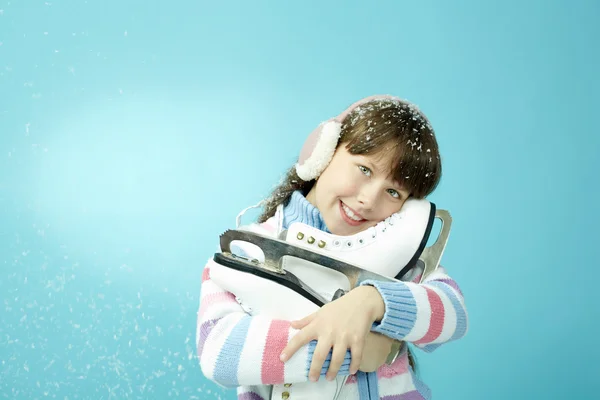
355	192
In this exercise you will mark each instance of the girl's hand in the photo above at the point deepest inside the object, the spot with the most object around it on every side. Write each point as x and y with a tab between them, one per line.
342	324
377	349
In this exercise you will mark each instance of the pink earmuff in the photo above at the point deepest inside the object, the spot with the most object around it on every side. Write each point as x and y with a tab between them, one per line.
319	147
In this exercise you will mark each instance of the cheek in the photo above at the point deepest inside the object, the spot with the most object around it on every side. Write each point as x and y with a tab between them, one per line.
390	209
349	181
339	184
347	187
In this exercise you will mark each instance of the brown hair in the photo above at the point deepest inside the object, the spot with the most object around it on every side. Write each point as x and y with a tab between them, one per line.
374	128
377	127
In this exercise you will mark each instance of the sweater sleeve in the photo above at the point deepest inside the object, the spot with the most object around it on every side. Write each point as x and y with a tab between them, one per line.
237	349
427	314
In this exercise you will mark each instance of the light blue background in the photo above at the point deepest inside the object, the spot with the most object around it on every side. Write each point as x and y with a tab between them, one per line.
132	133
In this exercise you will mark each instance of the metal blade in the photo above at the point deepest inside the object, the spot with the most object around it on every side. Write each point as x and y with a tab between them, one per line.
432	255
275	249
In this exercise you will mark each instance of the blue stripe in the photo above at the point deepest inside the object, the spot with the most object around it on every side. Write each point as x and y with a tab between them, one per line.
363	386
400	306
461	315
429	348
420	386
373	385
344	368
368	387
226	368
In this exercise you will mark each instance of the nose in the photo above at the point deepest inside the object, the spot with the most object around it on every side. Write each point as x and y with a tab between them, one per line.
367	196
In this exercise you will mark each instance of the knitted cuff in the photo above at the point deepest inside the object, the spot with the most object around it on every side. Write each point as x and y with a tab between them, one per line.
400	309
344	369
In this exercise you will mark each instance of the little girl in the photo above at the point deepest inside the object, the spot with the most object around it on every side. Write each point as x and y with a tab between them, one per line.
353	172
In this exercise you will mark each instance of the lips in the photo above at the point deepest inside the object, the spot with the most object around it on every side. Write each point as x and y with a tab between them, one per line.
349	220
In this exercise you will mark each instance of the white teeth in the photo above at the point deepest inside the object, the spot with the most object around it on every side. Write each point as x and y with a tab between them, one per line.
350	214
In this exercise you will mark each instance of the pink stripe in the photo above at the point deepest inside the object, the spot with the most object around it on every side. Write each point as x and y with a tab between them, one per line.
437	317
398	367
211	299
205	274
277	338
269	227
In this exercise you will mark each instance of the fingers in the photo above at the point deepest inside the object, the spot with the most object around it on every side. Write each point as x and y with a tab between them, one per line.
299	324
357	354
299	340
337	359
319	356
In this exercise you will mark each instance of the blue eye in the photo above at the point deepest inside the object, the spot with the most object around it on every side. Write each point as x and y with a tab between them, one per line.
394	193
364	170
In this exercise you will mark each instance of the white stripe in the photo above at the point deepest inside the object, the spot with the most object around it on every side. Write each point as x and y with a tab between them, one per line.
208	288
349	392
250	366
423	313
221	309
396	385
296	368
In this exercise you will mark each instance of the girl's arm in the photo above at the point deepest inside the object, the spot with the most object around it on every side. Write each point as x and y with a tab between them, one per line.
237	349
427	314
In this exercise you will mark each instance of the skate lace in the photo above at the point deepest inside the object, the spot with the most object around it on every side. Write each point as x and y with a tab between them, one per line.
381	227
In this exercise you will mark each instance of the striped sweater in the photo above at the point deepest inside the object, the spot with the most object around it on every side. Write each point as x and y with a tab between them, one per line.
241	351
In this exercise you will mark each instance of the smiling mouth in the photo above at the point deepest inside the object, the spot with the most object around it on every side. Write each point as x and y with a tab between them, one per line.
350	216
